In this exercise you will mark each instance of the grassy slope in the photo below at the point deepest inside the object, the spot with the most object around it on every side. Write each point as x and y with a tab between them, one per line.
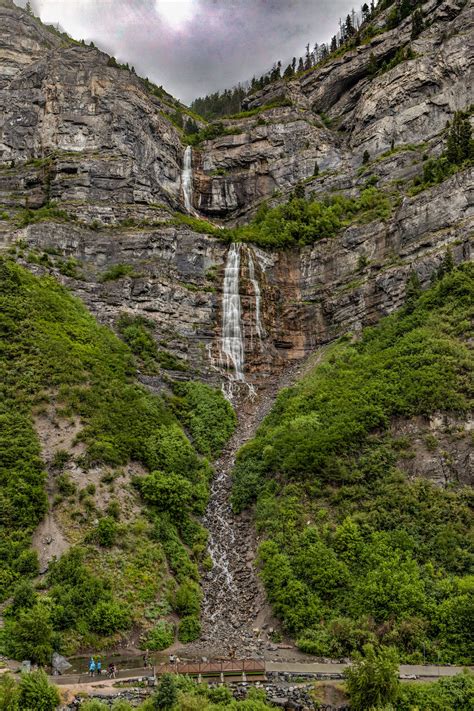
127	564
355	551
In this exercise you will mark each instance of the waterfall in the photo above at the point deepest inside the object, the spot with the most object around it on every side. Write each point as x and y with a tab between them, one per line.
187	180
258	297
232	345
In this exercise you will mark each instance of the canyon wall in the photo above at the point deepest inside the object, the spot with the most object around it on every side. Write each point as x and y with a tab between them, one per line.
85	137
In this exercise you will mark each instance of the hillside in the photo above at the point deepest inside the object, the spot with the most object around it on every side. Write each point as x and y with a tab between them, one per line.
75	421
361	543
151	276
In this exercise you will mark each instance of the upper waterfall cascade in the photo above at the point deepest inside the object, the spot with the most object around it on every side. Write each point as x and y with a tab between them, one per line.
187	179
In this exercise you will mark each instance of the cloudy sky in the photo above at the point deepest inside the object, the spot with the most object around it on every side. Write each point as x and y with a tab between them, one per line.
193	47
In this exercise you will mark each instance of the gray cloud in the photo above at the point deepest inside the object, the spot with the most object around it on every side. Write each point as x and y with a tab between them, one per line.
193	47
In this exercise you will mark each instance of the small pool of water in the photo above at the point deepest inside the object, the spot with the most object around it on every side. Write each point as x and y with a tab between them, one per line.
80	665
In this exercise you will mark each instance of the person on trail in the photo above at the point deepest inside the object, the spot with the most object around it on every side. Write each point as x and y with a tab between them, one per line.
92	667
146	659
99	667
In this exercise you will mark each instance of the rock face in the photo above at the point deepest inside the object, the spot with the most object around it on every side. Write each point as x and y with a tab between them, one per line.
111	142
91	179
90	139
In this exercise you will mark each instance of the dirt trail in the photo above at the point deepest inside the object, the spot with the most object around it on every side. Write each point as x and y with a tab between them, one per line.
235	615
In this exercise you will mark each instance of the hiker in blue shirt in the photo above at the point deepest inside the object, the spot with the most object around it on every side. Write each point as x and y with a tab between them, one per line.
92	667
99	667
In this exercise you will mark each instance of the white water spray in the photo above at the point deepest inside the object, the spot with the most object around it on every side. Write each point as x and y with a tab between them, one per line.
258	296
232	344
187	180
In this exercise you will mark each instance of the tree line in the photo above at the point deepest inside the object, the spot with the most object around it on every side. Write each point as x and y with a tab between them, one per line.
351	32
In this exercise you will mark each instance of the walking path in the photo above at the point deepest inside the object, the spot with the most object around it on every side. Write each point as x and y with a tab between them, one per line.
328	670
424	671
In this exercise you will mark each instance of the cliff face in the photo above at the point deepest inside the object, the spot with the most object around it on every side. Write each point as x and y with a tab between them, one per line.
407	104
92	140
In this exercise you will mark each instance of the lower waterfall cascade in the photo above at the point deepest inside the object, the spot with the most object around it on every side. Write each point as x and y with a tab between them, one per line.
258	296
232	344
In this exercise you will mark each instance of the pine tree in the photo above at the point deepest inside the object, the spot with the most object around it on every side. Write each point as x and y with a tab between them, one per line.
365	12
447	264
349	27
372	68
299	191
412	291
28	8
333	43
459	145
167	695
417	24
300	65
191	127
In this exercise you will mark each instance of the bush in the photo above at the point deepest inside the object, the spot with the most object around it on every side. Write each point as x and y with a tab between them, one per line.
94	705
9	693
117	271
189	629
209	417
302	222
37	693
109	617
161	636
450	694
170	493
24	597
65	485
167	694
106	532
187	599
372	681
31	635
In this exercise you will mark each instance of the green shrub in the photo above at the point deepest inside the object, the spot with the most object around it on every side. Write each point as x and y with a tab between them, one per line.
117	271
188	599
109	617
189	629
31	635
166	695
24	597
169	361
302	222
169	493
450	694
37	693
161	636
65	485
9	693
94	705
207	415
372	680
106	532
